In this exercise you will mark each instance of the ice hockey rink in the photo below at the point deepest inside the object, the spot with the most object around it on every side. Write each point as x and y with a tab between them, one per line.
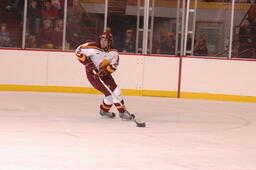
61	131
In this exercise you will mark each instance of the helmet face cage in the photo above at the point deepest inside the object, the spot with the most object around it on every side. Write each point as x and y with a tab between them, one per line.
106	35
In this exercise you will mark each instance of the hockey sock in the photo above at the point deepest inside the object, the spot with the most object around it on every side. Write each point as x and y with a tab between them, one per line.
119	107
105	107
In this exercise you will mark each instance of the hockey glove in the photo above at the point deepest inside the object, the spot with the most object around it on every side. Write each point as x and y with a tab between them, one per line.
102	72
104	63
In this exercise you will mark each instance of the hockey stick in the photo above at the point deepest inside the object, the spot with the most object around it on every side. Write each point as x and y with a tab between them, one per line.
139	124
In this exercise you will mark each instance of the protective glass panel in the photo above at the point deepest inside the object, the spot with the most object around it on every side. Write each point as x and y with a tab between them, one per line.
11	18
244	38
85	21
212	28
122	23
164	29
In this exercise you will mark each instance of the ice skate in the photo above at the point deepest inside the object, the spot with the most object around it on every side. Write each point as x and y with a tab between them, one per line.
125	115
107	114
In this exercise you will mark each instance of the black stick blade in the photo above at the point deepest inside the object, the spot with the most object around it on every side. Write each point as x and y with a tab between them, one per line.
141	124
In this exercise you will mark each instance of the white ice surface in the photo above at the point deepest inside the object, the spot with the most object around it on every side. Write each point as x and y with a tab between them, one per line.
54	131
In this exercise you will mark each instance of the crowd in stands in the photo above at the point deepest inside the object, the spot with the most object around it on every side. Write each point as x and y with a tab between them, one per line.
45	23
45	30
167	43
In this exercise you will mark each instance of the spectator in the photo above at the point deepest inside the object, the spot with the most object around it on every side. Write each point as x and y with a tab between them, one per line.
12	4
155	45
201	47
59	5
56	4
114	38
129	41
40	3
109	30
167	43
189	42
15	6
49	11
245	39
76	10
253	30
34	17
45	35
5	40
58	34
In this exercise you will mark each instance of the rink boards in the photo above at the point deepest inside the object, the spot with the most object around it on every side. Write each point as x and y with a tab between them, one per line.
140	75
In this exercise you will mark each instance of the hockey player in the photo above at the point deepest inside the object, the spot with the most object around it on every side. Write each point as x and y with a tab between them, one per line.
102	58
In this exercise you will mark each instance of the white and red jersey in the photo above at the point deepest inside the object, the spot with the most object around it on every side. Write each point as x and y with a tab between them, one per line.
98	56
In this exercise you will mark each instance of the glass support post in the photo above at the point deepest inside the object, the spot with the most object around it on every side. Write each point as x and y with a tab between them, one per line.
231	30
24	23
65	25
106	16
145	27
